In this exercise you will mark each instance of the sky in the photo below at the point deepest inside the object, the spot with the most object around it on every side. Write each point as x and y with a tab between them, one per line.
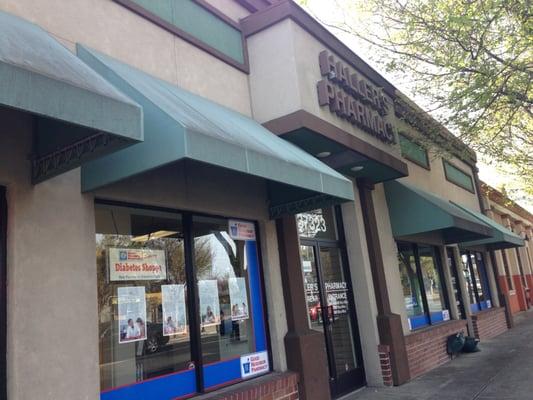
325	10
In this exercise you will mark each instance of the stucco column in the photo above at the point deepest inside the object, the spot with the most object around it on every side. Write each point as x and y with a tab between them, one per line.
389	325
503	296
277	319
306	348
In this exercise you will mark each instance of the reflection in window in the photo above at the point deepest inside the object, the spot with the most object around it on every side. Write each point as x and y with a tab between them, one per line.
409	279
317	224
223	289
424	294
476	281
432	284
139	253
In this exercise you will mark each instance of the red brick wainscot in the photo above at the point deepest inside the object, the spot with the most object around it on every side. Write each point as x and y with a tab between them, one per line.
489	323
426	348
274	386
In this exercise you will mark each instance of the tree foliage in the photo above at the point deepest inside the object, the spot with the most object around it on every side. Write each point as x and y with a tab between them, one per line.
472	61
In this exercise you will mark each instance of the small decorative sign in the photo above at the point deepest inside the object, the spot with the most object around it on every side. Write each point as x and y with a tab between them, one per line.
136	264
489	304
241	230
254	364
445	315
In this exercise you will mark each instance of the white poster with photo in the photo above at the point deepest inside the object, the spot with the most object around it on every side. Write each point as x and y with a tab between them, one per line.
131	314
174	309
209	304
238	298
136	264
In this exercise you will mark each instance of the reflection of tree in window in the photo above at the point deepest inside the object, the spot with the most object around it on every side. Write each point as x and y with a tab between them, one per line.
410	285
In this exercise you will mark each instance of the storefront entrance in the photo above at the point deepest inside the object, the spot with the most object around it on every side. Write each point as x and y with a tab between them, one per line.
330	298
3	292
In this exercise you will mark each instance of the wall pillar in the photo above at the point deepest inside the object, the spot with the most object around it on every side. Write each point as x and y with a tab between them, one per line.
503	295
306	348
3	293
389	325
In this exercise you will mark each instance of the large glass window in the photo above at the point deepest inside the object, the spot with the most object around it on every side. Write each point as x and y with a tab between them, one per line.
421	278
477	284
221	274
179	296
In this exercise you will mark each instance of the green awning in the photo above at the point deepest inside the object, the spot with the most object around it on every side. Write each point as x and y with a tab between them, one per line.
180	125
414	211
502	238
78	114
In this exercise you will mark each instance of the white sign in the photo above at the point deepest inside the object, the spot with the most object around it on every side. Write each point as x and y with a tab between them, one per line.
489	304
174	310
241	230
239	299
445	315
209	304
131	314
254	364
136	264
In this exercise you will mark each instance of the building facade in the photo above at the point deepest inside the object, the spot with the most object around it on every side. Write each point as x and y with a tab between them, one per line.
515	264
218	198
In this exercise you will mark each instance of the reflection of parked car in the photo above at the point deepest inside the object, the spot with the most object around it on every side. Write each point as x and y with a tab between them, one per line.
315	313
154	342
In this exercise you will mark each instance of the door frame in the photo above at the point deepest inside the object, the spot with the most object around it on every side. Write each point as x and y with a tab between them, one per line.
3	293
342	386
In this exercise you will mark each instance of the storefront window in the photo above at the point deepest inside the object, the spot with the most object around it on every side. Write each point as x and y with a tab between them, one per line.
410	282
154	268
476	279
221	274
424	293
140	258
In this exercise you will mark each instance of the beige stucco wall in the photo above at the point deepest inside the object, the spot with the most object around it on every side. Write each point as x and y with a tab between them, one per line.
284	72
114	30
52	310
363	288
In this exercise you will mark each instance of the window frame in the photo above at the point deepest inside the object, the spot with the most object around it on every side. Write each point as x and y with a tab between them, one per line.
483	281
439	266
175	30
193	297
413	160
508	276
471	189
3	292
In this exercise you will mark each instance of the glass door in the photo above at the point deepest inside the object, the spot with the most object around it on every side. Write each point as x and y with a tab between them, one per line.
331	311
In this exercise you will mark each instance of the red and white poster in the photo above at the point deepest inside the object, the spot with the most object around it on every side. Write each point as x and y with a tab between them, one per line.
241	230
136	264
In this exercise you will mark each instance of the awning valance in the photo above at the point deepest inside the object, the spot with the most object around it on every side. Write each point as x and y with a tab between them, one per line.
414	211
180	125
502	238
78	114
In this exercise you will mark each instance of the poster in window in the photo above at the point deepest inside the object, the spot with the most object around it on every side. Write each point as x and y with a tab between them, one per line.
239	299
136	264
209	304
131	313
174	310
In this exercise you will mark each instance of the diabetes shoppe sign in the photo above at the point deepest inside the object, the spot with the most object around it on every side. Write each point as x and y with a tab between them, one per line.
136	264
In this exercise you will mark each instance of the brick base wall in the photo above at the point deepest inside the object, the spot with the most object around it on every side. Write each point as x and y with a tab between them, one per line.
426	348
386	368
275	386
489	323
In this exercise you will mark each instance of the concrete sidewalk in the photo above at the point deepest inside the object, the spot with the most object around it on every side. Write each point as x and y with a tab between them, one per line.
503	370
